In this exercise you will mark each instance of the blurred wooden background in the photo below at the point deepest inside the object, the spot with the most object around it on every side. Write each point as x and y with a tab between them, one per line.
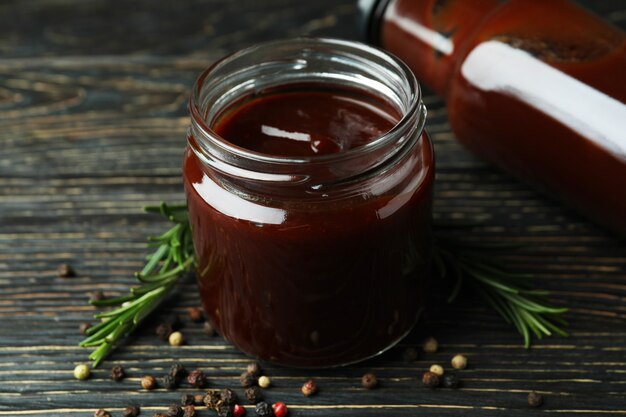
93	98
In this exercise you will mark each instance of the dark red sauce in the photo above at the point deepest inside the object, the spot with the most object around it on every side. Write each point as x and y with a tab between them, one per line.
306	123
312	279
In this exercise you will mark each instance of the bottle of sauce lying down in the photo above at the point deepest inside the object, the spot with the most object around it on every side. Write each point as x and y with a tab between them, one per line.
536	87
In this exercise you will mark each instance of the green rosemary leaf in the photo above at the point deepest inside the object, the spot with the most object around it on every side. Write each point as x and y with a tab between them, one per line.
509	293
173	257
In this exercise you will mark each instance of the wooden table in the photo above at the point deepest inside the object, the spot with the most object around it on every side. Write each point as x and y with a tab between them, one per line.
93	115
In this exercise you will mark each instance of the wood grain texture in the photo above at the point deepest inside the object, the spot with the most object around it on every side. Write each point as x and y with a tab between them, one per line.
93	98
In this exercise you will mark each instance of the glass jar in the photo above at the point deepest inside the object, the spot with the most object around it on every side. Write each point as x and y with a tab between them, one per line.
318	260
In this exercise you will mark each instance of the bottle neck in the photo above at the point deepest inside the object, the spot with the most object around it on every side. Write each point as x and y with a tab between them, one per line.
429	35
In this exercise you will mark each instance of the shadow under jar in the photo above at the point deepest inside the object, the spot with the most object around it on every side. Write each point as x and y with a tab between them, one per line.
309	176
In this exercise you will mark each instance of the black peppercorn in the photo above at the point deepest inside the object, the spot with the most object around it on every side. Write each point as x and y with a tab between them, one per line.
196	378
431	379
254	368
101	413
228	396
535	399
190	411
178	371
66	271
96	296
369	381
164	330
117	373
450	381
83	327
169	382
148	382
254	394
410	354
225	410
132	411
211	399
174	410
247	380
187	399
263	409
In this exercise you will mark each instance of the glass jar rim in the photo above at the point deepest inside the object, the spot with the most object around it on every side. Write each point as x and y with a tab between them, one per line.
414	109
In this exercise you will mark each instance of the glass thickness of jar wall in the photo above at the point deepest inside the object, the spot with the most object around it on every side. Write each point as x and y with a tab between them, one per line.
317	259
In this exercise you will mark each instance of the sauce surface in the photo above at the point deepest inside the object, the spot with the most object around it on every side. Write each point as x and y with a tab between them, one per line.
306	123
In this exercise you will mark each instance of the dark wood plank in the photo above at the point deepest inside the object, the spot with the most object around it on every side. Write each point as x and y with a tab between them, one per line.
92	126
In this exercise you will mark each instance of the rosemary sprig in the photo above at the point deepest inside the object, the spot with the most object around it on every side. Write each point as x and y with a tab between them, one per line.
172	258
508	293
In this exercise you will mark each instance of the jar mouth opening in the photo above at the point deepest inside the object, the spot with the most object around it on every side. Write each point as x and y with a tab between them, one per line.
314	60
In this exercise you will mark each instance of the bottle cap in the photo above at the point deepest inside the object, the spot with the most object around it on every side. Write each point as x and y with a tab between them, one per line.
370	18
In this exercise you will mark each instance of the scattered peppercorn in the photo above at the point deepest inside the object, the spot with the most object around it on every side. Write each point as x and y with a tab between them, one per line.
410	354
65	271
459	362
430	345
199	399
148	382
196	378
195	314
309	388
280	409
189	411
264	381
369	381
132	411
431	379
437	369
169	382
83	327
535	399
247	380
178	371
117	373
101	413
187	399
174	410
82	372
239	410
254	368
450	381
254	394
263	409
164	330
176	339
228	396
211	399
208	329
224	410
96	296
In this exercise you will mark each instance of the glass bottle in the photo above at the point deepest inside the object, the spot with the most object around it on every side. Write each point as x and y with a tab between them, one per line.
536	87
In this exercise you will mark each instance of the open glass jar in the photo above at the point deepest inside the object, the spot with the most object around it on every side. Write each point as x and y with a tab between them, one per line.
311	260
